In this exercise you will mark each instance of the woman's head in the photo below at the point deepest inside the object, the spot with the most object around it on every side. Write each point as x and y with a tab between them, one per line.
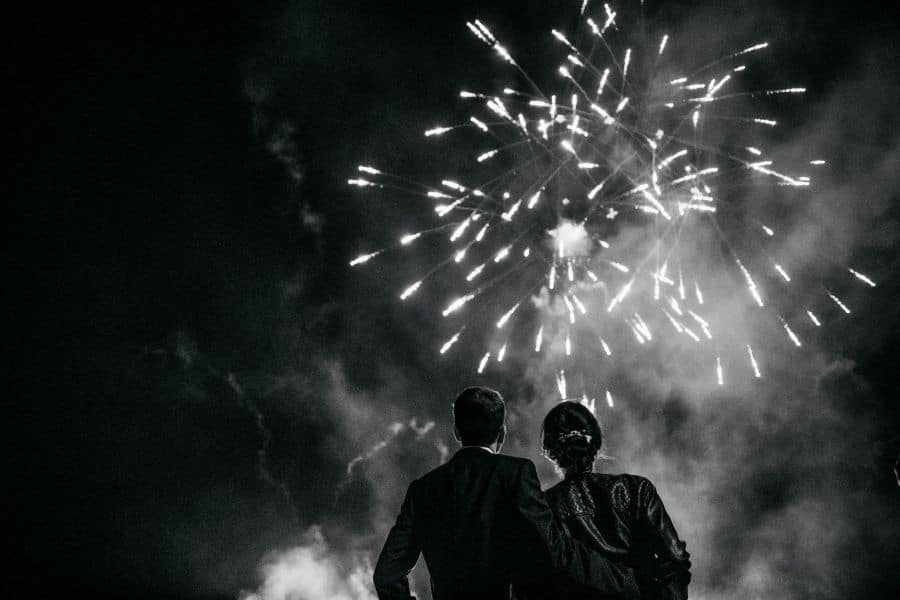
571	438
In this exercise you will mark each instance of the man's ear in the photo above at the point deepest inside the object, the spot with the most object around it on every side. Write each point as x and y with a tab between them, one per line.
456	435
501	436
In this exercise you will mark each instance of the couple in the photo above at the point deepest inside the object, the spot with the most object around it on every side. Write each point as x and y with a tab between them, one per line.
487	530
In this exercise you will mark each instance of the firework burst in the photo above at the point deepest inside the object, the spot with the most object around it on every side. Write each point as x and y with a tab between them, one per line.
618	140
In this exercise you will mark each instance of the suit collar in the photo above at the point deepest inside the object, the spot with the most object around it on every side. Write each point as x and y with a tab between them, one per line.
470	451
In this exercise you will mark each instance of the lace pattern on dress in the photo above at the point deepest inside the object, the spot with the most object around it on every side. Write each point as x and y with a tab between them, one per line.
621	498
579	500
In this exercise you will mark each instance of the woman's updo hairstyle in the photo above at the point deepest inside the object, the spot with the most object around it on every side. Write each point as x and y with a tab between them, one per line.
571	438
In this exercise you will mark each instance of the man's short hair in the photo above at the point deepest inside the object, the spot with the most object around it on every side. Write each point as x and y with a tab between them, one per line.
479	414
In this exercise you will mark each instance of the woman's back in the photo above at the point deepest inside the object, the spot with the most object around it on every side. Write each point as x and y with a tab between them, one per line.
623	517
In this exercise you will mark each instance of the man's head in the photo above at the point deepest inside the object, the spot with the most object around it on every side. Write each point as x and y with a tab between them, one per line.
479	417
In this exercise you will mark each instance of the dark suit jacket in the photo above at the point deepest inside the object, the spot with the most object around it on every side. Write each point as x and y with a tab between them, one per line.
482	523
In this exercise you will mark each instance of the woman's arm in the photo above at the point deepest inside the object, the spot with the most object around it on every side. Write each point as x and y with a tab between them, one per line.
565	554
671	565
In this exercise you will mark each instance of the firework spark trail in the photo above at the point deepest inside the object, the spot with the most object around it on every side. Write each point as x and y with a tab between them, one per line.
753	363
556	173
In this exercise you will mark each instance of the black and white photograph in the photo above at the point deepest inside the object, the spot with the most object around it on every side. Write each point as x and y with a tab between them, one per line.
471	300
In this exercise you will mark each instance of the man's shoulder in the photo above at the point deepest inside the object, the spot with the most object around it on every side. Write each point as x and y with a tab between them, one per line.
514	462
502	461
435	474
508	465
515	468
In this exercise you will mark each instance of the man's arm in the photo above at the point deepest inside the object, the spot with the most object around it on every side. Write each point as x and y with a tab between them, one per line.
565	554
399	556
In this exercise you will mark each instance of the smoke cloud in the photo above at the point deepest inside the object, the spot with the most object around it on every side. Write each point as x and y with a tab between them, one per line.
781	486
312	572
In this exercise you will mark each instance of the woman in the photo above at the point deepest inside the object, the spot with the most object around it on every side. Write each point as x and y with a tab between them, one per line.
619	515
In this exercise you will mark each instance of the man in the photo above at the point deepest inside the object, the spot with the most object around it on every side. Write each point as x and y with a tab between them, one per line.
482	522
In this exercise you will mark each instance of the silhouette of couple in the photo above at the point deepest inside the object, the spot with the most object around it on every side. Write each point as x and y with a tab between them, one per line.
487	531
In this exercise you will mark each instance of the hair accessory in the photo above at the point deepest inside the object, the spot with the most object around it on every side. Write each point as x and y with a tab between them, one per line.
576	434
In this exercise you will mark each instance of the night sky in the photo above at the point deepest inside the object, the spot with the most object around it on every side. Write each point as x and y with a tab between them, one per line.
214	404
